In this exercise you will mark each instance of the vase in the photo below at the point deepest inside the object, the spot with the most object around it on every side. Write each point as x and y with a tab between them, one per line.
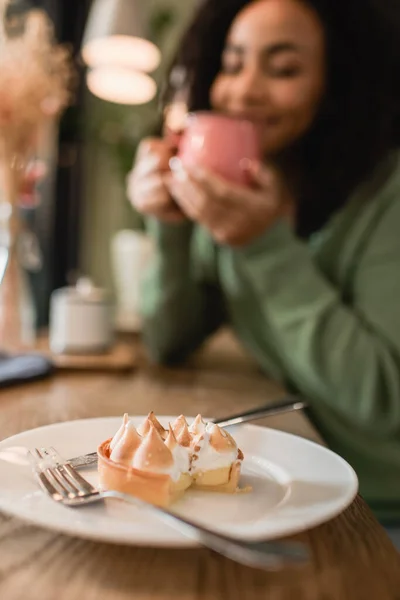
17	308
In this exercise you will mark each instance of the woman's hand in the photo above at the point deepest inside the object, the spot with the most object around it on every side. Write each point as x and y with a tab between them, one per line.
146	187
234	215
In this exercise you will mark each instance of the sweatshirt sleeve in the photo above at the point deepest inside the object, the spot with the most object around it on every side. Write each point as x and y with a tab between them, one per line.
346	358
179	312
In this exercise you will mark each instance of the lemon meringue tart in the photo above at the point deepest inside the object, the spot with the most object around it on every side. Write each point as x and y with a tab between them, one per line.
159	465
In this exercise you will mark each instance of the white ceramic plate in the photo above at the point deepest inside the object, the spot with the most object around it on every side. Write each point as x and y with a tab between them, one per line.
296	485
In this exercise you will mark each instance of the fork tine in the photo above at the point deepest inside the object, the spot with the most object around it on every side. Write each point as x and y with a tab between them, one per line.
71	474
59	472
48	487
44	481
46	472
55	455
71	490
79	481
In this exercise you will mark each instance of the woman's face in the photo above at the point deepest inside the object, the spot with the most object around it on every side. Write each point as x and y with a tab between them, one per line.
273	70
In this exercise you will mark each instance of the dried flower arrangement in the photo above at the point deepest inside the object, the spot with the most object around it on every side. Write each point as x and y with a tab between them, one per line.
36	79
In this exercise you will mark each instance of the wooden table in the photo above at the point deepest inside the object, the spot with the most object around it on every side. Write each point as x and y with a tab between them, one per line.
352	557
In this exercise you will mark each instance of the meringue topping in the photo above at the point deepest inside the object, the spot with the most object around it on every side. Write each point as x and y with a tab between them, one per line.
198	427
145	427
171	441
153	455
127	445
178	425
183	437
120	432
181	453
215	449
221	440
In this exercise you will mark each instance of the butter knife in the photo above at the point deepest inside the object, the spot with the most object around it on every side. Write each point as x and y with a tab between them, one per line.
286	404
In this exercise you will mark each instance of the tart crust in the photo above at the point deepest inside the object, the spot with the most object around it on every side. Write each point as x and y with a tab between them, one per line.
157	488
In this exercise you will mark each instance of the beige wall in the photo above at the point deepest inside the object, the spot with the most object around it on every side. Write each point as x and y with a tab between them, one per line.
106	209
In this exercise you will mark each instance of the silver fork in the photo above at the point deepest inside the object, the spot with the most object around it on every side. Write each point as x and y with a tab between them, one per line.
65	485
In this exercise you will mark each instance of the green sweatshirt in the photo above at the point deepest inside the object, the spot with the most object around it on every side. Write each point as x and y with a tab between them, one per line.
321	316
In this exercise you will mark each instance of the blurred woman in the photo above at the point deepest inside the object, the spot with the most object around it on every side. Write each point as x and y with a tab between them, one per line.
304	265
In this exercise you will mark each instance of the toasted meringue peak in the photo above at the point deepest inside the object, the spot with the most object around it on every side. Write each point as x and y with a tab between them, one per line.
120	432
126	447
198	427
181	431
153	455
163	432
221	440
215	449
178	424
144	428
184	438
171	441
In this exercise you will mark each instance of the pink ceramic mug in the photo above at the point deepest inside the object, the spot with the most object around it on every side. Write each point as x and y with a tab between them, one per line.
219	143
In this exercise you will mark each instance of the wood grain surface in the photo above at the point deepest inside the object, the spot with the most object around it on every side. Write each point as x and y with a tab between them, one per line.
352	558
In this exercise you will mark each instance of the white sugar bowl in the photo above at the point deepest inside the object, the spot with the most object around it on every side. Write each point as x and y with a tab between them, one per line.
81	319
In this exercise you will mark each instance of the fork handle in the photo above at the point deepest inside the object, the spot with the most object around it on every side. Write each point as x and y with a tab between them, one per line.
286	404
269	555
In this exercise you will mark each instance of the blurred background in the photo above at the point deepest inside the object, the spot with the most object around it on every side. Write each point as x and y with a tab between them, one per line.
82	201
